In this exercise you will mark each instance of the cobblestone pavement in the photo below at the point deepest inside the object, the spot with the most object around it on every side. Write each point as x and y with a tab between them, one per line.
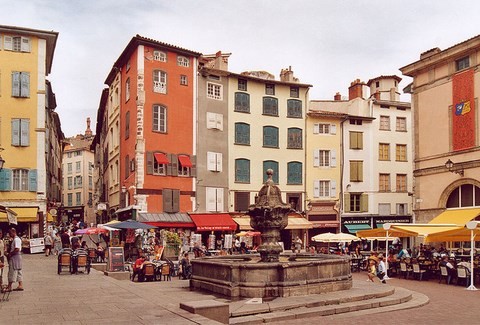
97	299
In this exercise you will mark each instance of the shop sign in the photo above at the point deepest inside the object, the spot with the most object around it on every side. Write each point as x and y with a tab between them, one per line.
116	259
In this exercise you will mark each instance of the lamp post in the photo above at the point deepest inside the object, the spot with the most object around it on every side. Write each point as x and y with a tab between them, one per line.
451	167
472	225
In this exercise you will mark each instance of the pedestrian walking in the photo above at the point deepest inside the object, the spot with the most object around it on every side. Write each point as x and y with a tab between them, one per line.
15	262
48	244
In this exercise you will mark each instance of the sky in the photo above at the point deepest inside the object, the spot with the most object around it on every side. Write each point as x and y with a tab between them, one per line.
328	43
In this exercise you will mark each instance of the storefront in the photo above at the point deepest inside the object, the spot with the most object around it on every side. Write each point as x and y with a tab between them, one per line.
73	213
323	217
212	226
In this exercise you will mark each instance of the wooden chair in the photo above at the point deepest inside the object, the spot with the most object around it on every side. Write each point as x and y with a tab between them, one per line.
417	271
149	272
83	262
463	274
166	272
92	255
404	269
64	260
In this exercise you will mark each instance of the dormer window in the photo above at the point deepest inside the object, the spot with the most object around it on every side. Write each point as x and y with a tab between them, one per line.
462	63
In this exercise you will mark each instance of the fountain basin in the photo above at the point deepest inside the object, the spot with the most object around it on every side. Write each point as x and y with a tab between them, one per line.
238	276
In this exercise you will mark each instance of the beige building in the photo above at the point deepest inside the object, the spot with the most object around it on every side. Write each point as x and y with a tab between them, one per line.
445	92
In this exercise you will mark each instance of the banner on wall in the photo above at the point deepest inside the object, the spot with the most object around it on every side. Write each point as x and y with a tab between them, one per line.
463	113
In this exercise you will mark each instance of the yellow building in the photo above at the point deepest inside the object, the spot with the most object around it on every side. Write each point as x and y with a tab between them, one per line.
27	185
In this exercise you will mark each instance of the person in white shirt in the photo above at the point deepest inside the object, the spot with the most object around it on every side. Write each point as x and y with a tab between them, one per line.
15	262
381	269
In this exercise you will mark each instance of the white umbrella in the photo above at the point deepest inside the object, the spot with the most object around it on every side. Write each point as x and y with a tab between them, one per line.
323	238
334	238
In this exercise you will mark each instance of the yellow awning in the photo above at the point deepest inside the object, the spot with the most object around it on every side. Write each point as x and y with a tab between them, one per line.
23	214
298	223
381	233
458	216
462	234
421	230
243	223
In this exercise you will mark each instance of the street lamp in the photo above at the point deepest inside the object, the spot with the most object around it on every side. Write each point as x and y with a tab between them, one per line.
451	166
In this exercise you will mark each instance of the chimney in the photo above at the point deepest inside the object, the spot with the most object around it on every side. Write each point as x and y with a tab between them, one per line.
286	75
356	89
88	131
337	96
221	62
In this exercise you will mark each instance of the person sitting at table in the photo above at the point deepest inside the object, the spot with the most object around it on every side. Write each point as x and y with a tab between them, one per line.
186	266
403	253
138	269
450	268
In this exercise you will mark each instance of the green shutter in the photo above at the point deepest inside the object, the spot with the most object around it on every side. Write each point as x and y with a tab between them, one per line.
15	132
5	179
25	84
16	84
363	203
32	180
24	132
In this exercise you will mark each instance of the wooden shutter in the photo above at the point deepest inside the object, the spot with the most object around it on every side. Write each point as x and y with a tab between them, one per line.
211	198
25	84
8	43
32	180
363	202
24	132
25	44
333	158
16	84
174	162
193	169
219	158
333	129
150	163
360	140
211	162
211	120
316	158
219	205
175	201
316	128
15	132
316	188
346	202
333	188
360	171
167	200
5	179
242	201
353	171
219	121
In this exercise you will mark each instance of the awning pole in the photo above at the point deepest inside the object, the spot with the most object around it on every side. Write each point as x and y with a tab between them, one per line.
386	258
472	238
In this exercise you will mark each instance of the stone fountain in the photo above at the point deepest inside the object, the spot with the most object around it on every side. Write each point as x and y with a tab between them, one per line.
270	273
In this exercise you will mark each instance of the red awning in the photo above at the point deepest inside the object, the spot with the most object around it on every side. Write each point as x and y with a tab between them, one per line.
214	221
171	224
161	158
185	161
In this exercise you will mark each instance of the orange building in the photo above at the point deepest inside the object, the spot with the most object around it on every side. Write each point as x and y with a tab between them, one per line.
156	130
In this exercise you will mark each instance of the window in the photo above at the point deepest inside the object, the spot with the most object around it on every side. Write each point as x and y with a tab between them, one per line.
466	195
214	121
401	183
20	84
160	81
183	61
78	166
384	151
77	182
214	91
377	84
183	80
127	66
214	161
401	152
242	133
242	170
294	92
70	183
324	158
270	106
184	165
77	153
355	122
242	102
402	209
90	182
20	180
384	183
242	84
69	155
127	166
127	89
321	188
401	124
20	132
69	168
356	140
294	173
294	140
160	162
385	123
127	125
321	128
159	118
270	164
294	108
78	198
356	171
356	202
462	63
69	199
160	56
384	209
270	89
242	201
270	136
171	200
214	199
16	43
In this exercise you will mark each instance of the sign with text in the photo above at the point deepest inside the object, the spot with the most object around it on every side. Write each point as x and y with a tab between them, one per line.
116	259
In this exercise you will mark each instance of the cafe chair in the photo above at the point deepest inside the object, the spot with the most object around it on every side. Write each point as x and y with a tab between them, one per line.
166	272
404	269
463	274
64	261
83	262
417	272
149	272
444	274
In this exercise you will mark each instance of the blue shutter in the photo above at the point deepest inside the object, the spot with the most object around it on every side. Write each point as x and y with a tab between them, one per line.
242	170
15	84
15	132
5	179
294	175
269	164
24	132
32	180
270	136
25	84
242	133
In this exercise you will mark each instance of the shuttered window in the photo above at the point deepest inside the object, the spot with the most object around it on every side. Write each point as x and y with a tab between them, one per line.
20	132
214	161
214	197
20	84
294	108
356	202
270	164
356	140
242	133
401	152
242	102
270	136
270	106
356	171
242	201
294	173
294	140
20	180
242	170
127	125
171	200
384	151
384	182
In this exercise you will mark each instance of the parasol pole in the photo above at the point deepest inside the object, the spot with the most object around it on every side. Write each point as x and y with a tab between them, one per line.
386	226
472	225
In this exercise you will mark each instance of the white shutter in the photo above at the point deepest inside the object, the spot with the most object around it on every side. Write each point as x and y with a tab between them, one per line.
316	158
220	199
25	45
211	122
219	121
333	129
211	161
8	43
211	198
219	162
316	188
333	158
316	128
333	188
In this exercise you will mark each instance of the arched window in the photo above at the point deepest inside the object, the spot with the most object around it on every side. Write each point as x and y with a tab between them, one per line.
466	195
